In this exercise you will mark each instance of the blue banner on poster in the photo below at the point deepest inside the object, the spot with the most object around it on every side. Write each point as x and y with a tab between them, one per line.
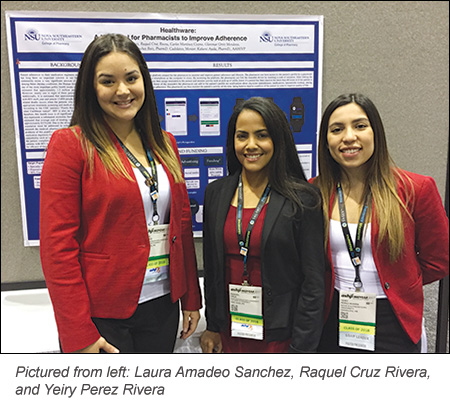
201	67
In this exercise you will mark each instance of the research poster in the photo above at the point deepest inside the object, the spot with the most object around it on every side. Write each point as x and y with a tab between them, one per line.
202	66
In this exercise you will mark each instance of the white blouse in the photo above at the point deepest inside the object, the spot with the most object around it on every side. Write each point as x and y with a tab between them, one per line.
343	267
163	192
160	287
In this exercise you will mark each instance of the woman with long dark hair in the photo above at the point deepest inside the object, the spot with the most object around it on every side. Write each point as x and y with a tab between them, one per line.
386	234
263	241
115	223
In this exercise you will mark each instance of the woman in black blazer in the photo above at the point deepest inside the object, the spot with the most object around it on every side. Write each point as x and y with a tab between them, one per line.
264	282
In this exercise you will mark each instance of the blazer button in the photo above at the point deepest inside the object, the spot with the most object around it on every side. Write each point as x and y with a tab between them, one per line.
174	238
387	286
269	292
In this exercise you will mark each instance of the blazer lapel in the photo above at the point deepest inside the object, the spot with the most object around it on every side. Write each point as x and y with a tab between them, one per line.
274	207
223	205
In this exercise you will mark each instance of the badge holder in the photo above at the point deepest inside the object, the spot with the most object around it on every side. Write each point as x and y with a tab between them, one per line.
357	314
246	311
158	261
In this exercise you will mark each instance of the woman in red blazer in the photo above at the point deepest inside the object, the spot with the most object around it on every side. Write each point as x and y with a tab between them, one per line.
397	240
109	184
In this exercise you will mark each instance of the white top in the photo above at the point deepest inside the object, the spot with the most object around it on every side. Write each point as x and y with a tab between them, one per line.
163	192
343	267
160	287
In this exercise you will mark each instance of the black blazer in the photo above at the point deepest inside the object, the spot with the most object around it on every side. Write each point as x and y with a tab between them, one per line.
292	266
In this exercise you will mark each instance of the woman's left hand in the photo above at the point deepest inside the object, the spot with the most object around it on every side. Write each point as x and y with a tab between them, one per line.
190	322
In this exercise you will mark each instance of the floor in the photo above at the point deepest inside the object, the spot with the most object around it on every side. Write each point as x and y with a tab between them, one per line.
28	324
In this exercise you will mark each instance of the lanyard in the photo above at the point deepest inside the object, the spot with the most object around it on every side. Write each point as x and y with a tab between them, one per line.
244	244
150	180
354	250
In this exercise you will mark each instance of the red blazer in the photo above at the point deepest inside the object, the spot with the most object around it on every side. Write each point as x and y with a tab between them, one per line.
94	244
425	258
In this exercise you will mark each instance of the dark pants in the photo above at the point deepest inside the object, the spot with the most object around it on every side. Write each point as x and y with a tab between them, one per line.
151	329
390	337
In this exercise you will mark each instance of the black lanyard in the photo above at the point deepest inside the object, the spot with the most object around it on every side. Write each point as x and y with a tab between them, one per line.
244	244
354	250
150	180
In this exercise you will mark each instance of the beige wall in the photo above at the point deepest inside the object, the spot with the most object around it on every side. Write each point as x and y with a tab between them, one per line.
396	52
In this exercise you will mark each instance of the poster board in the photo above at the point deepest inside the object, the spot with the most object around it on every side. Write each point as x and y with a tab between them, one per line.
201	67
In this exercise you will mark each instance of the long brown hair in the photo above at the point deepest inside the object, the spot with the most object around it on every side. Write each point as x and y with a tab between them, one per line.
88	114
381	181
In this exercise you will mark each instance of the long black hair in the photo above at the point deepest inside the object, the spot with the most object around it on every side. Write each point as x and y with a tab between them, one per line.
286	174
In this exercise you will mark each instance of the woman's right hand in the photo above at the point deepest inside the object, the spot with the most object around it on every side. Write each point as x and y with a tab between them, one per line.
95	348
211	342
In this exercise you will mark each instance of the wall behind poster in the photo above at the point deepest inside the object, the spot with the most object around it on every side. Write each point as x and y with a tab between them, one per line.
395	52
202	66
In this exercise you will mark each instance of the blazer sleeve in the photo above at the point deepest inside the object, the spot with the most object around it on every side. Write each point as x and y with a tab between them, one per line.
308	320
60	220
192	299
431	231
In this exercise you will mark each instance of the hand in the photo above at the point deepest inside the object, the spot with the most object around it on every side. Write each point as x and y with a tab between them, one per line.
95	348
211	342
190	322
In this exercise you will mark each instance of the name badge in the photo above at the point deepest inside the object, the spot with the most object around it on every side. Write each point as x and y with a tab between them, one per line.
158	261
357	314
246	311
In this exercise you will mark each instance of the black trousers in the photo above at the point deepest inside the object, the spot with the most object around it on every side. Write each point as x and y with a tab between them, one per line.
390	337
151	329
